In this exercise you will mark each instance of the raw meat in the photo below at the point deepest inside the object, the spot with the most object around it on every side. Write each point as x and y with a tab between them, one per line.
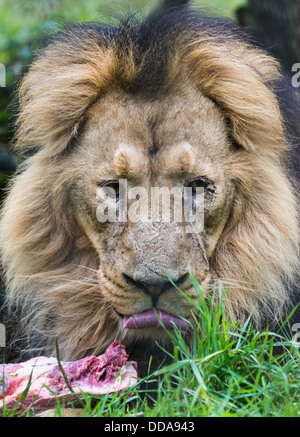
108	373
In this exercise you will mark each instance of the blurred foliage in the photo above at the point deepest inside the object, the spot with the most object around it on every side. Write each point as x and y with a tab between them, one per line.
24	25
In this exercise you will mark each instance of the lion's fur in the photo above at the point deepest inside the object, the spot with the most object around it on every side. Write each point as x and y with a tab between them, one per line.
50	263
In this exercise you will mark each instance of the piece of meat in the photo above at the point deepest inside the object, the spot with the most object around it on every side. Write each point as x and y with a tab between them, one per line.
108	373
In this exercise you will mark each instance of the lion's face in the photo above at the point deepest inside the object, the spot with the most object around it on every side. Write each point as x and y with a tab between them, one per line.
174	102
177	141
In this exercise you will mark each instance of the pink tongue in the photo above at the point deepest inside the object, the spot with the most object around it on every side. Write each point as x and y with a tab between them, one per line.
148	319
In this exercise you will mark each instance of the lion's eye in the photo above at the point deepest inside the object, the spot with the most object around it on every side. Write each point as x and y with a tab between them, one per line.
112	190
198	183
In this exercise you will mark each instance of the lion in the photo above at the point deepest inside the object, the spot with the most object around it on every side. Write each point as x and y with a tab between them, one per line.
173	100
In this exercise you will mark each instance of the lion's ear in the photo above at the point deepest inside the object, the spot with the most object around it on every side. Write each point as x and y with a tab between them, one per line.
239	78
56	92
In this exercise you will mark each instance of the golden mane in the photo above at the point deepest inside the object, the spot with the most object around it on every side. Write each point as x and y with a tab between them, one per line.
50	266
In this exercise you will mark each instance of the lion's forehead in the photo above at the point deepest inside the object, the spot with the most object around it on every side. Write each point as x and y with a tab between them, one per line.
184	131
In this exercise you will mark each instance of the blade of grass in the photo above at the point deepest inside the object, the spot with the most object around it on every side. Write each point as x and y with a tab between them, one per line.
65	376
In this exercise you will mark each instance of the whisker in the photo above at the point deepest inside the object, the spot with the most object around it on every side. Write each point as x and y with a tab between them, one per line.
85	267
227	282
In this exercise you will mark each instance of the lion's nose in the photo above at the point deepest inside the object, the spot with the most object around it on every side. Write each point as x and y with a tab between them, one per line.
156	287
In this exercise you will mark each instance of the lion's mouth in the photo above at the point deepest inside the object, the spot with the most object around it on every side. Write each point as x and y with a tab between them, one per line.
150	319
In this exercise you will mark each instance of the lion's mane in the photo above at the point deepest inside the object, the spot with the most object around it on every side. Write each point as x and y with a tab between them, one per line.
49	270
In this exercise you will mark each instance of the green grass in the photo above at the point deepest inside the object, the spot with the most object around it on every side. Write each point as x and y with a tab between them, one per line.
230	370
